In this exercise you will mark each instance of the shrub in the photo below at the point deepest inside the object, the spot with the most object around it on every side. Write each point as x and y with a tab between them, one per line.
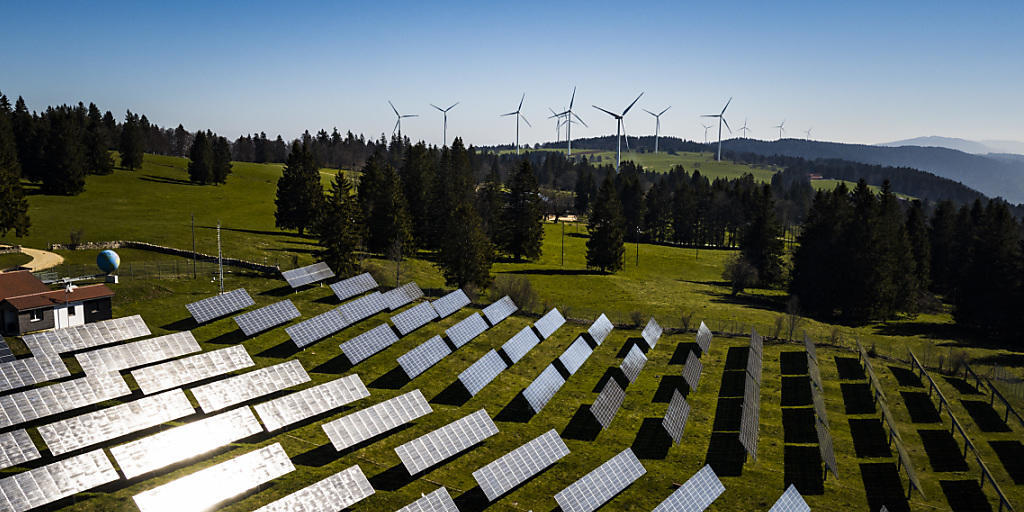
518	288
740	274
686	317
636	318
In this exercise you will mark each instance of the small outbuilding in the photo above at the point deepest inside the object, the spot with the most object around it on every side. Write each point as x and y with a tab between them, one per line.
28	305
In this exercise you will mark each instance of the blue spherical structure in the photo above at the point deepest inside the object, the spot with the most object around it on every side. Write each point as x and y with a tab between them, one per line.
108	261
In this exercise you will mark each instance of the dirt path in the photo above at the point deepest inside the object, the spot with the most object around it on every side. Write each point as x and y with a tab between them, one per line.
41	260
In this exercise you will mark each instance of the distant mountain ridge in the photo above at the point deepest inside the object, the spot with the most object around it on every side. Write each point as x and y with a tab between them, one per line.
934	141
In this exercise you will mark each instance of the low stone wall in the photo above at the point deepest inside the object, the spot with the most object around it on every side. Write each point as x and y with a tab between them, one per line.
145	246
9	249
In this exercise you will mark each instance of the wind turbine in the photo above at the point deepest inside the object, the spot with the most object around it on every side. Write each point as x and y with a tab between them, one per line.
657	125
398	121
444	133
620	129
781	127
721	119
744	129
706	128
518	114
558	124
569	114
808	132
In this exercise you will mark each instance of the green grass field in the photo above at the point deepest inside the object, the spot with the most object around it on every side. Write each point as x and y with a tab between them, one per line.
13	259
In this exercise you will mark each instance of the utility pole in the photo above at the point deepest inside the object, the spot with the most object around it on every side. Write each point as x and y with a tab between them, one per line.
193	246
220	259
563	243
638	246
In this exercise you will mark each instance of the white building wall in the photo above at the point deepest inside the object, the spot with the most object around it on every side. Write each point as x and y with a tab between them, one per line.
68	316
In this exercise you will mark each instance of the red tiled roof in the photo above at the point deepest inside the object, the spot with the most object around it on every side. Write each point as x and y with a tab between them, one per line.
20	282
51	298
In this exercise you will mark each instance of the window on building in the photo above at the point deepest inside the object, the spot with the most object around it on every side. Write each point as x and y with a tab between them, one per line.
35	316
71	310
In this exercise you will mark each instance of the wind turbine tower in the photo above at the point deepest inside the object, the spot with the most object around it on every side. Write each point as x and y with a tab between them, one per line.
620	130
706	128
657	125
808	132
398	121
569	114
444	132
721	120
744	129
518	113
782	128
558	124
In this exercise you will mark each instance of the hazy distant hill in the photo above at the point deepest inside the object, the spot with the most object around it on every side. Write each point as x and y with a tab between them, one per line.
982	147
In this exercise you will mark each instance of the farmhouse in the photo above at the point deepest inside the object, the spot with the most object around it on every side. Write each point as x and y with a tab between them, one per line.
26	304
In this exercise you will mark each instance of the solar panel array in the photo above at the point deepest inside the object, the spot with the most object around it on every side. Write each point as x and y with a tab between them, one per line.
375	420
300	405
369	343
31	370
402	295
692	371
519	465
413	318
52	482
467	329
298	277
16	447
194	492
703	338
35	403
812	352
179	372
520	344
355	285
425	355
355	311
633	363
88	429
696	495
219	305
756	342
543	388
450	303
754	363
675	417
336	492
482	372
574	356
441	444
828	454
607	403
749	421
259	320
500	310
185	442
437	501
224	393
602	484
138	353
652	332
549	323
790	501
5	351
312	330
600	329
95	334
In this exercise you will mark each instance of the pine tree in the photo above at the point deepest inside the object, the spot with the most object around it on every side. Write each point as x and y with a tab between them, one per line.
988	297
898	289
489	203
14	214
819	273
383	207
760	243
942	240
417	175
605	248
584	186
181	140
920	250
200	157
63	162
658	216
221	164
28	138
465	255
522	228
338	227
131	146
299	193
97	156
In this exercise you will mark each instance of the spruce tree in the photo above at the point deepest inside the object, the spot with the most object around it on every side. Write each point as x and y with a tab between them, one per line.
522	228
200	165
181	140
131	146
605	248
465	255
220	167
584	187
942	240
760	243
338	227
299	193
489	203
658	206
14	214
988	297
28	138
383	207
63	162
898	289
417	175
920	250
97	156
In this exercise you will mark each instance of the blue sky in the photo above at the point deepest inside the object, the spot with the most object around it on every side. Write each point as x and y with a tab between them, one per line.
860	72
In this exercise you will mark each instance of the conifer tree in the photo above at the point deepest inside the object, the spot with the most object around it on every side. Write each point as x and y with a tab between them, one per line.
181	140
658	207
383	207
605	248
584	187
465	255
97	156
299	193
200	165
760	245
988	297
28	138
220	167
920	251
63	161
942	240
131	145
489	203
338	227
417	177
14	214
522	228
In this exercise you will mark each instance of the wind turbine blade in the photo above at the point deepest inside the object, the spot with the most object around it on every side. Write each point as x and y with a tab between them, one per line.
409	115
510	114
393	107
649	112
606	112
631	104
437	107
726	106
451	107
578	118
622	122
726	125
521	102
573	98
398	122
524	120
553	111
666	110
711	115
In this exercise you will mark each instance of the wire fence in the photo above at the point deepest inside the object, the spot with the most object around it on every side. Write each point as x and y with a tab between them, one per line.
146	270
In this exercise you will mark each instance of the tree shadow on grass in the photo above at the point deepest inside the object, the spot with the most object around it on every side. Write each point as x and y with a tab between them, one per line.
905	377
557	272
652	441
857	398
793	363
393	379
920	407
1011	454
849	368
796	391
943	452
883	486
455	394
518	410
726	454
869	438
164	179
965	496
668	385
682	351
741	299
798	426
802	468
337	365
583	426
283	234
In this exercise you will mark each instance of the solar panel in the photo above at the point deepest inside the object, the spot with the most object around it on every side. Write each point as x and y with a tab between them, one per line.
520	344
675	417
355	311
259	320
356	285
790	501
828	454
219	305
754	365
91	428
179	372
633	363
607	403
413	318
202	490
185	442
602	484
435	447
574	356
467	329
314	329
5	351
29	371
450	303
500	310
398	297
300	405
53	482
298	277
756	342
814	372
812	352
696	494
224	393
819	405
336	492
549	323
692	371
95	334
519	465
749	426
540	391
425	355
367	423
138	353
600	329
437	501
703	338
32	404
482	372
652	332
369	343
16	447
